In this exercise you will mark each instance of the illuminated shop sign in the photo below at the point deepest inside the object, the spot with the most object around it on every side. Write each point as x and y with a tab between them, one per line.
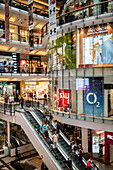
98	30
95	146
110	137
3	82
30	83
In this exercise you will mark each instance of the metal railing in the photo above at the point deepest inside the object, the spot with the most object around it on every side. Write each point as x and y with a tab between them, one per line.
25	7
81	14
7	108
20	37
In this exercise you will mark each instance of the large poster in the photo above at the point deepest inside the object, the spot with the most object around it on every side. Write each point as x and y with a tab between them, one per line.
68	48
93	98
7	21
101	47
52	20
65	96
31	42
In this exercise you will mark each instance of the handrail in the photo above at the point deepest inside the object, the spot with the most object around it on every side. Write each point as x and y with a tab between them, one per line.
25	5
77	10
58	145
39	138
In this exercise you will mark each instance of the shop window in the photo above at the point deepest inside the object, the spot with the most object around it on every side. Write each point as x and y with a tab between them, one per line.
13	32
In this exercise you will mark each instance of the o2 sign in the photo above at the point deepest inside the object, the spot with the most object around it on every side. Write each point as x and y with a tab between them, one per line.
94	101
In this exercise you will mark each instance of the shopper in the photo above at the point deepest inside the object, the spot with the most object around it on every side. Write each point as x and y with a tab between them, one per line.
54	124
46	134
45	99
69	164
42	129
89	164
55	139
6	98
22	102
80	155
74	148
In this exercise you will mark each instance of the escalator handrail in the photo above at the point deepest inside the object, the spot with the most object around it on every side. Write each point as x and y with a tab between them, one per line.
58	145
69	143
37	136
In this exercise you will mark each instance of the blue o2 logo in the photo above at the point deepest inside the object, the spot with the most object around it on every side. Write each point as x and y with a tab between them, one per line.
94	99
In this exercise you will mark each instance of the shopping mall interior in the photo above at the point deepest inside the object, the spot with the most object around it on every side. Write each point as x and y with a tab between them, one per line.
56	71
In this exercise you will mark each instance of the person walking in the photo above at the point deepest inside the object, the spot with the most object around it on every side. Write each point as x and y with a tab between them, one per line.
55	139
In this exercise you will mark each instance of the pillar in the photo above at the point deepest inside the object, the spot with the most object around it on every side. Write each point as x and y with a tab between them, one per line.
8	133
85	139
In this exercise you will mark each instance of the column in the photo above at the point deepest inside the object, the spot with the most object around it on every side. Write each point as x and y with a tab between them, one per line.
85	139
8	133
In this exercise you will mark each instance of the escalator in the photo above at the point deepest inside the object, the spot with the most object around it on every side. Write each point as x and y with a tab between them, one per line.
63	142
55	159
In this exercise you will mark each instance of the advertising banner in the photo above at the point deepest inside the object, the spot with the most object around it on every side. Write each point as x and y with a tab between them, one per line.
31	42
95	143
7	21
93	98
52	20
66	98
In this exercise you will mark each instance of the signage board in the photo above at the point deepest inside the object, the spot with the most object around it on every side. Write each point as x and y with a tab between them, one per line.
95	143
52	20
31	38
7	21
110	137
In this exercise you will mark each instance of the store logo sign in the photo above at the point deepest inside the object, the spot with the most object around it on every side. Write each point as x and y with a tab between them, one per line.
94	99
110	137
99	30
30	83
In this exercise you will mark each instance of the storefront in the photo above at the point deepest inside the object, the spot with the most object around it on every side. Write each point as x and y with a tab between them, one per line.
9	62
108	147
95	46
33	90
30	64
9	88
98	144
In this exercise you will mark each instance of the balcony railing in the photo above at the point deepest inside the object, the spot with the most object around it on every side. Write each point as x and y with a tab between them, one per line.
21	38
81	14
25	7
14	69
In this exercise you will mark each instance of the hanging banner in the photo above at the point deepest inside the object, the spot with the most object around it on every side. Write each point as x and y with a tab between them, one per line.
52	20
31	42
7	21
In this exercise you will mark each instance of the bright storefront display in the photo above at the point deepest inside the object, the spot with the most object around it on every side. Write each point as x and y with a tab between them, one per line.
96	44
33	89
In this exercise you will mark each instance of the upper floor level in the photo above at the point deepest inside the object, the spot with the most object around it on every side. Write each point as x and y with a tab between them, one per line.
83	13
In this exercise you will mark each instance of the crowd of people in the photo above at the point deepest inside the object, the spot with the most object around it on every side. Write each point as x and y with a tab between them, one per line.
76	150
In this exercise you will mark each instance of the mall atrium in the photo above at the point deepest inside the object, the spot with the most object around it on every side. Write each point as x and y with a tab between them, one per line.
56	84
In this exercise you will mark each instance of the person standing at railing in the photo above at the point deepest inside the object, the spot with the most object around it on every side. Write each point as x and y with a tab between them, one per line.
6	98
22	102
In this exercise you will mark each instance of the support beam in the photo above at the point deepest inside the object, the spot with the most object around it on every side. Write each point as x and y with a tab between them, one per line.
85	139
8	133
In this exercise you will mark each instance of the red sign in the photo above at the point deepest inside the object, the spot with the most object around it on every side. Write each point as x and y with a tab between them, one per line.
64	95
7	21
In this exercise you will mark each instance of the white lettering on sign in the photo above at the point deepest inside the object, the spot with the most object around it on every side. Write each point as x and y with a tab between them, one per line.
99	30
30	83
110	137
